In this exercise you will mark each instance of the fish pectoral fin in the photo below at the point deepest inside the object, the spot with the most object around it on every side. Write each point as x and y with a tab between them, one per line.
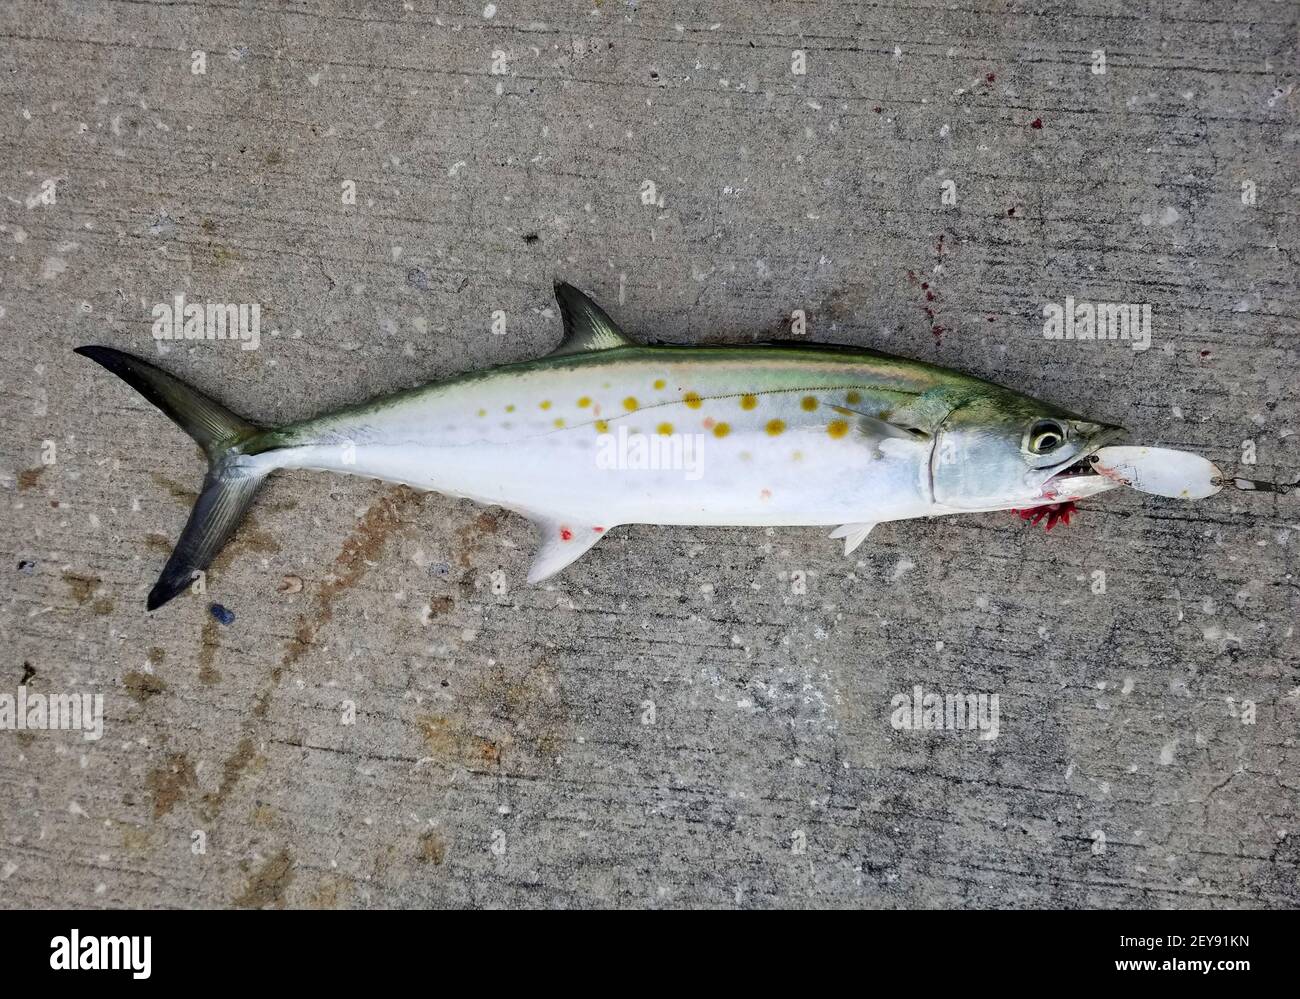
878	429
560	542
586	327
853	535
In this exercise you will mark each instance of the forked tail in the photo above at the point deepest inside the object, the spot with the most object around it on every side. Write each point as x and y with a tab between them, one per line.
230	484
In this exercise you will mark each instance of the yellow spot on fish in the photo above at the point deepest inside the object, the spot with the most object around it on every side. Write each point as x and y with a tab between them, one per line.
584	402
775	427
797	456
837	428
545	404
853	398
559	422
482	412
630	403
748	401
660	383
721	430
808	403
602	426
665	429
692	400
510	408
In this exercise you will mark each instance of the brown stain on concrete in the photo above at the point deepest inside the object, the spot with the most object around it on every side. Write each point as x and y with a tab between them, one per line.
240	760
136	839
328	894
470	535
142	686
156	655
28	478
208	646
265	817
169	782
448	740
182	494
82	587
362	547
267	885
102	606
158	542
440	605
433	849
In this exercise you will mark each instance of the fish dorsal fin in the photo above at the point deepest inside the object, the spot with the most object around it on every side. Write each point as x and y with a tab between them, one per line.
853	535
560	542
586	327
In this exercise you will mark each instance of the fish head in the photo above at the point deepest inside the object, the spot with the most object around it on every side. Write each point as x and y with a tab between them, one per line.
999	450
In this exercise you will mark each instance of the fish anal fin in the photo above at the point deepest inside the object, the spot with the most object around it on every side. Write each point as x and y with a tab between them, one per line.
853	535
560	543
586	326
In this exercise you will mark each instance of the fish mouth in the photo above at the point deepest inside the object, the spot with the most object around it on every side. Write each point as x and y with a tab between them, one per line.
1076	471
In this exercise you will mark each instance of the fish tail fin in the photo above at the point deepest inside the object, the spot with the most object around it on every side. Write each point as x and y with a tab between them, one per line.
229	486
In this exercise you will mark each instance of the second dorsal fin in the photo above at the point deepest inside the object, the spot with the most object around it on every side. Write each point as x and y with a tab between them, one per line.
586	327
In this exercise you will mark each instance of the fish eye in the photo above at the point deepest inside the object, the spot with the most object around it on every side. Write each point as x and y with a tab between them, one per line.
1045	436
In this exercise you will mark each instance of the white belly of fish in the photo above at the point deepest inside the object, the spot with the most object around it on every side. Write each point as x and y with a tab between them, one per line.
602	480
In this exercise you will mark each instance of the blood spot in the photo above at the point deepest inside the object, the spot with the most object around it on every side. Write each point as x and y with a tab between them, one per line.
599	530
1036	123
1056	513
566	534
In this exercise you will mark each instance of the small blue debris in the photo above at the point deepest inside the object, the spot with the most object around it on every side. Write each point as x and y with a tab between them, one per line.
222	614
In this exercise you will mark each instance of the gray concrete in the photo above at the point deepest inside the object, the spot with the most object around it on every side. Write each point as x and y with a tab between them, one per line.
1129	769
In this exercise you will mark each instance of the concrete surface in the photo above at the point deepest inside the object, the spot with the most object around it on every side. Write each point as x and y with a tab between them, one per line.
503	750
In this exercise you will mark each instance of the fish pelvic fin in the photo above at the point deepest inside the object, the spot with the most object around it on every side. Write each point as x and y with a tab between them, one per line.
231	482
586	326
853	535
560	543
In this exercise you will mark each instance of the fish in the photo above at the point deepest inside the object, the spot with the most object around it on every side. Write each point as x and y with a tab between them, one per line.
604	431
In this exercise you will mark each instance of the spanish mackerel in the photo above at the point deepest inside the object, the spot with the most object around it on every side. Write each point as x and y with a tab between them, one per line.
775	434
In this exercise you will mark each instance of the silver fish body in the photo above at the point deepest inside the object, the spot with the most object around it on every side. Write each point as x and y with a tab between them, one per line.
604	432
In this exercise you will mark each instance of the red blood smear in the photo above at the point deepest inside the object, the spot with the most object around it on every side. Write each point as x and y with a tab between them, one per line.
1054	512
1036	123
566	534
